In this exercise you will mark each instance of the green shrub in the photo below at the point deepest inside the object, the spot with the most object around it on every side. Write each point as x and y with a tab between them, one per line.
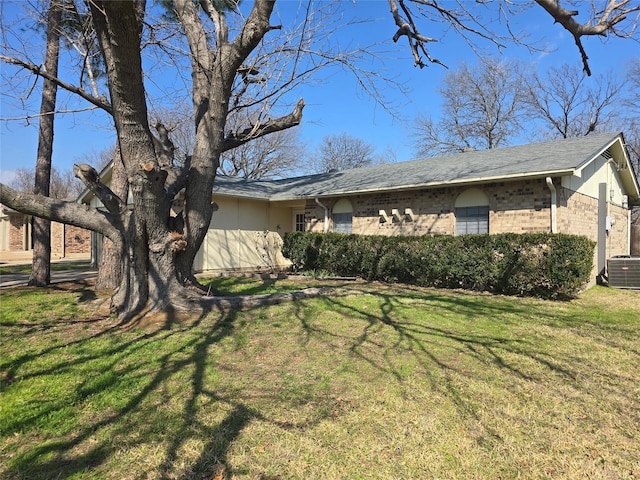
541	265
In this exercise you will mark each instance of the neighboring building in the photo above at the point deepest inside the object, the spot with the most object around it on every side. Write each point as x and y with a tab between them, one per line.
16	229
584	186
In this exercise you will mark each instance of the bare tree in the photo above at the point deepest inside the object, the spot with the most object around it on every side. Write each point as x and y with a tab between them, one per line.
481	109
607	17
41	265
64	185
225	56
631	105
275	155
341	152
569	104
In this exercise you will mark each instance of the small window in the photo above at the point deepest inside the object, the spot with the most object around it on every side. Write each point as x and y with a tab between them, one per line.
342	216
300	224
472	220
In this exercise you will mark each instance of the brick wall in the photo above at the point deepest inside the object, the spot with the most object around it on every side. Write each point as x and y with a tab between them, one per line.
76	240
618	237
16	232
578	214
520	207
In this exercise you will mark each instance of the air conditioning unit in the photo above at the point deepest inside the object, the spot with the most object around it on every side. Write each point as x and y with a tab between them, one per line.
624	272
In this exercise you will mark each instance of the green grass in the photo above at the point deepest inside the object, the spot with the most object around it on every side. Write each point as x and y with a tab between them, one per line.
374	382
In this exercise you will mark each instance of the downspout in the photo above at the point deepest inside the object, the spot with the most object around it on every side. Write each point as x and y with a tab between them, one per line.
554	205
629	231
326	215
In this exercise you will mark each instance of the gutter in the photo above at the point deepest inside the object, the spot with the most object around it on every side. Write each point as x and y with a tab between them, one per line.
554	205
326	215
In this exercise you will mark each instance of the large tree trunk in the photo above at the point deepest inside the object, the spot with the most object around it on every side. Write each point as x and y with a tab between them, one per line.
145	234
157	251
41	267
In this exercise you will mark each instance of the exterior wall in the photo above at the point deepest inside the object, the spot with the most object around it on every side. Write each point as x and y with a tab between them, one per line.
4	232
19	230
520	207
515	207
65	240
245	235
618	236
578	215
587	179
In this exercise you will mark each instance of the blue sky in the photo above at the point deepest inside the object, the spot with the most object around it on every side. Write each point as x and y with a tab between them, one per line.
338	104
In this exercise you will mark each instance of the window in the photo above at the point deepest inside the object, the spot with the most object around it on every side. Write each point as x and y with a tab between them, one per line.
472	212
342	216
472	220
342	222
299	223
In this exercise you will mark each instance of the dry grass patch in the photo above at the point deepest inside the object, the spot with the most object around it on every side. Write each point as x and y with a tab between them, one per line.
377	382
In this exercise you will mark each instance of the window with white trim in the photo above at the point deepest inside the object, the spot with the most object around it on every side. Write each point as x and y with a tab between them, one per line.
472	212
299	222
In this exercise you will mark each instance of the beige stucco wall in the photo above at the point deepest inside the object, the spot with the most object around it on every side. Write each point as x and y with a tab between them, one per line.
245	235
586	180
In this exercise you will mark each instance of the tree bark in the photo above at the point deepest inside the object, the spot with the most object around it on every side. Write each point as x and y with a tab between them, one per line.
41	266
157	252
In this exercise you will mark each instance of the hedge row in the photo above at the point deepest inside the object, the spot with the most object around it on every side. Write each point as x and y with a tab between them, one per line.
541	265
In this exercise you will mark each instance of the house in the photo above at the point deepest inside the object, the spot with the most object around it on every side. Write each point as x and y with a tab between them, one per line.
583	186
16	230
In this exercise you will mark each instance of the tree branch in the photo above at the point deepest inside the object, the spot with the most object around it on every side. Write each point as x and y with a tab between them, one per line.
98	102
408	29
235	139
613	13
91	178
62	211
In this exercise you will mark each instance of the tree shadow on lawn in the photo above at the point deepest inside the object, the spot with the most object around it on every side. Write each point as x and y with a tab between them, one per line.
159	380
442	311
138	391
441	339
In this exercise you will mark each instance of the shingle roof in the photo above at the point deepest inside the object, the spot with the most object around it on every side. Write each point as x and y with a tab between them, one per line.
558	157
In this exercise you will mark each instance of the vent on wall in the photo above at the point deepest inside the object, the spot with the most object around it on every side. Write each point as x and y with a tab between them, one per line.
624	272
607	154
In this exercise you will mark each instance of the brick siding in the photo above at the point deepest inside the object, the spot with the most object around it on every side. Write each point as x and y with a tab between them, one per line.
519	207
514	207
16	232
76	240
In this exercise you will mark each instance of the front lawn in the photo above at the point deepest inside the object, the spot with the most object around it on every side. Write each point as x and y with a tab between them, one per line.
373	382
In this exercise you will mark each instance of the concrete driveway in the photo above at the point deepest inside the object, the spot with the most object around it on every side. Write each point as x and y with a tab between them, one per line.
25	258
